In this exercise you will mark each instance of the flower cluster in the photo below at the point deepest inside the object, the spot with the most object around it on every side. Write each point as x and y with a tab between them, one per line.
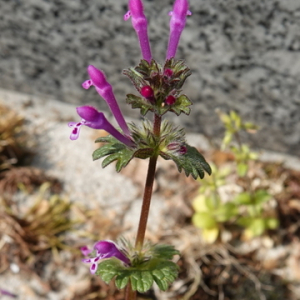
90	116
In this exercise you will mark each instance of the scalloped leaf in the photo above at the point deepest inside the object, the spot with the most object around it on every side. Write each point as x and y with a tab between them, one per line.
141	280
162	271
115	151
193	163
164	274
182	105
109	268
141	275
139	102
165	251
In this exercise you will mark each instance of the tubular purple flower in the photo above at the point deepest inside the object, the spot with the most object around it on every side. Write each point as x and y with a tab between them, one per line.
103	249
7	293
95	119
104	89
177	24
139	23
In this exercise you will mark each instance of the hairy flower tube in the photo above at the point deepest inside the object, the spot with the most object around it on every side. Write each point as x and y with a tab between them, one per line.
104	89
177	24
96	120
101	250
139	23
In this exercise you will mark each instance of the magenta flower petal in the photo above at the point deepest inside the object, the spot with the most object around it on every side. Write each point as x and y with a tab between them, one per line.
104	89
75	131
139	23
7	293
85	250
111	249
105	249
91	115
177	24
87	84
96	120
93	268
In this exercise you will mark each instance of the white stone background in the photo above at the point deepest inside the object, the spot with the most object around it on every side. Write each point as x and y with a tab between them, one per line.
244	54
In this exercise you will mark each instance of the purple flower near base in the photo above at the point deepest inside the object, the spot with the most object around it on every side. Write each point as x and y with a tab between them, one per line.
96	120
177	24
139	23
7	293
103	249
104	89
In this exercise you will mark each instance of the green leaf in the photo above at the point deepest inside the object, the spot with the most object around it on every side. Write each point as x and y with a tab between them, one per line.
199	204
115	151
164	251
164	274
109	268
272	223
139	102
243	198
122	280
254	226
210	235
204	220
212	202
249	127
244	221
182	105
141	281
225	212
227	139
257	226
155	266
193	163
261	196
242	169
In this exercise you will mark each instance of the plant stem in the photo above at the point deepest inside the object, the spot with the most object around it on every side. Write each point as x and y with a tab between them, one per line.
131	295
146	204
148	191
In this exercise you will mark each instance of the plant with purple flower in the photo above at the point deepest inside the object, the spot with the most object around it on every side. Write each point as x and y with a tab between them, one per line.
102	250
137	266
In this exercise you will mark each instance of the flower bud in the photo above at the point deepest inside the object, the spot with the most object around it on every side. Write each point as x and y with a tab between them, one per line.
170	100
168	72
148	93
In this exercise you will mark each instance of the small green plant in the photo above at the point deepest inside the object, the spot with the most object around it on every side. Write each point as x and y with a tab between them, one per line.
255	222
210	211
233	127
248	206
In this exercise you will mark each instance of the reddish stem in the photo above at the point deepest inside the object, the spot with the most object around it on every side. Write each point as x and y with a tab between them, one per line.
131	295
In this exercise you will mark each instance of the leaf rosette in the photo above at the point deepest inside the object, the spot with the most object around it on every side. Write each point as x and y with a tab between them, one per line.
170	145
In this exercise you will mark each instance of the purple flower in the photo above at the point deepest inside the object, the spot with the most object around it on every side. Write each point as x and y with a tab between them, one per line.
7	293
177	24
139	23
103	249
104	89
95	119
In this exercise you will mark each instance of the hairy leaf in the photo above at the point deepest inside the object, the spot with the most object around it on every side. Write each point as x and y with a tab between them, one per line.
193	163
